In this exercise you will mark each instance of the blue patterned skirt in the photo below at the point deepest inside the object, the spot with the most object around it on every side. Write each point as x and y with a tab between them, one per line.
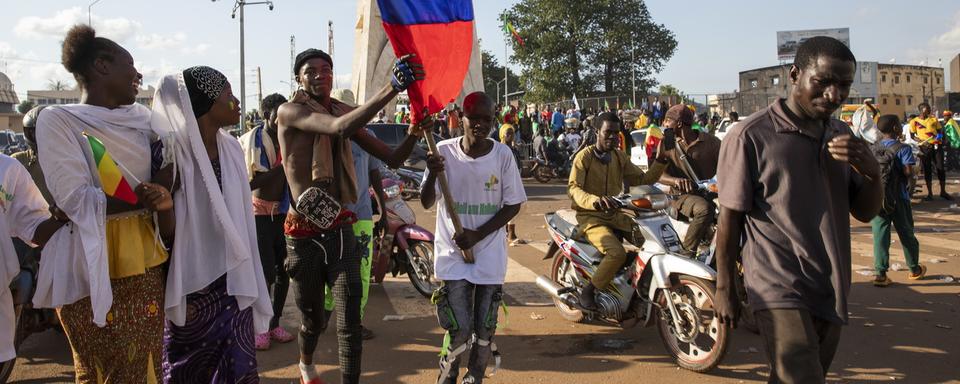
215	344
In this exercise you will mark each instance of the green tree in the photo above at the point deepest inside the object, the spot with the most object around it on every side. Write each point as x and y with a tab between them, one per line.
25	106
584	47
493	74
667	90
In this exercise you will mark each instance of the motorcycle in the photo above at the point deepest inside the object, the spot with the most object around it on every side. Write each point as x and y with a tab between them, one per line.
403	246
28	320
655	285
707	249
411	179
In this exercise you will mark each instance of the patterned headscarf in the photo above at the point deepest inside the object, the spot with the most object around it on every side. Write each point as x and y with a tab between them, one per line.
204	84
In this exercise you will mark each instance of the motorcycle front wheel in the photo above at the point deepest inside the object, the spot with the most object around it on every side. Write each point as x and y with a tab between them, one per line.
543	174
702	340
420	268
6	367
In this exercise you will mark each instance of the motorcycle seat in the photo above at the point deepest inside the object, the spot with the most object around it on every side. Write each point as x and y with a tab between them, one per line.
565	221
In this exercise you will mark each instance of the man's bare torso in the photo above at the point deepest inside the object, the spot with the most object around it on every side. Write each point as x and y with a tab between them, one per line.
296	147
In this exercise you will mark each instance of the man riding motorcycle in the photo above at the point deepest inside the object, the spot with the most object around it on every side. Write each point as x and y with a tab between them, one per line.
599	172
696	159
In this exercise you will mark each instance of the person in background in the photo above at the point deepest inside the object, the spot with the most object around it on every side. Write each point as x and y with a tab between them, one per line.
112	310
401	115
928	132
643	120
453	122
896	168
381	117
271	201
509	139
556	122
701	152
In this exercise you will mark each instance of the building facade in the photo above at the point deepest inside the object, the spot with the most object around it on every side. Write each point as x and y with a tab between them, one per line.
955	73
896	89
72	96
9	118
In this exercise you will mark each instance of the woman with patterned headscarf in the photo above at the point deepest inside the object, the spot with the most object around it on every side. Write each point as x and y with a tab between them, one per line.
216	298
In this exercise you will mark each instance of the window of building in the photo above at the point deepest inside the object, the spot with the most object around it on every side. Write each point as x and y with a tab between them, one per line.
754	83
896	78
884	101
883	77
938	80
926	79
908	77
775	80
898	101
909	100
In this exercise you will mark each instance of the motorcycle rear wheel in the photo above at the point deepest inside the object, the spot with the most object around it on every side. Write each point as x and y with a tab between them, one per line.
6	367
705	340
420	268
560	272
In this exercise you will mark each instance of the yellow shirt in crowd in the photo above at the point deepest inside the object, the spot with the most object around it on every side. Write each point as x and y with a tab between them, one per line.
925	129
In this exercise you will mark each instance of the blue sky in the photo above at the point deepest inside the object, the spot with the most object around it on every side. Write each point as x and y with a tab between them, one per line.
717	39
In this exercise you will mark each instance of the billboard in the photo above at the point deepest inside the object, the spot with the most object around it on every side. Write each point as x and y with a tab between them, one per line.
788	41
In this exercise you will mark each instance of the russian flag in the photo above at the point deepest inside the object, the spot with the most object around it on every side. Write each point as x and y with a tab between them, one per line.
440	33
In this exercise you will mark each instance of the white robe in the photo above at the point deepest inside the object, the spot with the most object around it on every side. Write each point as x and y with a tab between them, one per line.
22	209
216	233
74	263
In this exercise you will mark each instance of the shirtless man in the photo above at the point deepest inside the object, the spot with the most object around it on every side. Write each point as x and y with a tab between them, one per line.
315	134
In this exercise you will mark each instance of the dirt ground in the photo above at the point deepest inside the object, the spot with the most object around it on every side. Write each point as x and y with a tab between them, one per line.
907	332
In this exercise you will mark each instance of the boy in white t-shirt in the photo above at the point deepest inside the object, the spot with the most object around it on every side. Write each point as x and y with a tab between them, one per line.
487	192
23	214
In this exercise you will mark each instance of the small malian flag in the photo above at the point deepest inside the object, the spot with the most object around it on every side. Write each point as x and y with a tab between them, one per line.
508	27
606	104
440	33
113	181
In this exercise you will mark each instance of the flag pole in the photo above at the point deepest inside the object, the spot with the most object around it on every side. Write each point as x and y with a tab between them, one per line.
448	199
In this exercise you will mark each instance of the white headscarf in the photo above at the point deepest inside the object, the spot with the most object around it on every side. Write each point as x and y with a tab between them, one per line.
215	233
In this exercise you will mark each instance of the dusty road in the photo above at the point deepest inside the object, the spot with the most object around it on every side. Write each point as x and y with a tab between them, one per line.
908	332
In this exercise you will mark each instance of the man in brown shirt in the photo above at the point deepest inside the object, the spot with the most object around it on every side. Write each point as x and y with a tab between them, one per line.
790	177
702	151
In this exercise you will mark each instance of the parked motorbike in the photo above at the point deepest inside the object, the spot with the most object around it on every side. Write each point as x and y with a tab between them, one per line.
411	179
655	285
403	246
28	320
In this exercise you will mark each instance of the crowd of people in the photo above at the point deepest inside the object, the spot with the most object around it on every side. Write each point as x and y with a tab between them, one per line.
169	246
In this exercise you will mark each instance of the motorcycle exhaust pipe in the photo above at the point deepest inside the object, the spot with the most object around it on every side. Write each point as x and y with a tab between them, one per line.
548	286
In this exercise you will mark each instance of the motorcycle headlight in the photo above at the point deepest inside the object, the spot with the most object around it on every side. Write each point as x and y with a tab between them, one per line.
392	191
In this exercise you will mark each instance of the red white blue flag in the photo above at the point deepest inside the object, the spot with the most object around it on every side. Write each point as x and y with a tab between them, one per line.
440	33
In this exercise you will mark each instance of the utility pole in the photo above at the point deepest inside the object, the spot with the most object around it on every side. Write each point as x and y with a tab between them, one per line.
330	48
259	89
633	70
293	58
506	59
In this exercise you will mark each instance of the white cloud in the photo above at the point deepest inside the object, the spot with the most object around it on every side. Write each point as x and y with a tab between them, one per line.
198	49
37	27
161	42
151	74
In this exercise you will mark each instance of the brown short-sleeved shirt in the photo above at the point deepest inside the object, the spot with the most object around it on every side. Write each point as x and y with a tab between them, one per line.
797	204
702	154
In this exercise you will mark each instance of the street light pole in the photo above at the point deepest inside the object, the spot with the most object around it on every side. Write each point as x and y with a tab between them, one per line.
633	71
498	89
89	7
238	6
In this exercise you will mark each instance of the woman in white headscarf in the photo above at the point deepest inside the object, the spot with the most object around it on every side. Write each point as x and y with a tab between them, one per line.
216	296
104	270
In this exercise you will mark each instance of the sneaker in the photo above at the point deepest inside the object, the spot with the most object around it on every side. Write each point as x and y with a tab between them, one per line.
366	333
262	341
281	335
919	274
881	281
